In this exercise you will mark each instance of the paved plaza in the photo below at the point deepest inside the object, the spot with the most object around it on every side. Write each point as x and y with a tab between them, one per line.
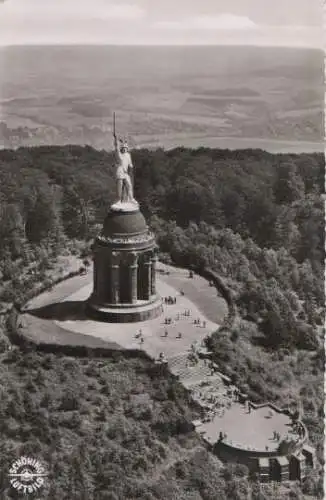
249	430
154	336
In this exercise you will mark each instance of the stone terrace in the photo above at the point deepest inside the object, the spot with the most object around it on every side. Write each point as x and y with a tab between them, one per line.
251	430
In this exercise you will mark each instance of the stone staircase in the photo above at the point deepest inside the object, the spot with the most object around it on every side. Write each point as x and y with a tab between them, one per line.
192	374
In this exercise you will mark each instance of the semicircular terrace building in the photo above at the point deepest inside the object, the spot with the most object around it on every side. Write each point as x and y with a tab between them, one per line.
263	437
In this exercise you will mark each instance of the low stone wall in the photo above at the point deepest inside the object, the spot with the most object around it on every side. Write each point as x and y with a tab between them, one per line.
228	453
269	466
44	288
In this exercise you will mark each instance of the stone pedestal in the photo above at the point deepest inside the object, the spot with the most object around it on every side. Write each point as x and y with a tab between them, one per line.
124	257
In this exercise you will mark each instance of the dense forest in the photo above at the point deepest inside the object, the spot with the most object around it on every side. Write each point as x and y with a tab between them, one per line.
254	218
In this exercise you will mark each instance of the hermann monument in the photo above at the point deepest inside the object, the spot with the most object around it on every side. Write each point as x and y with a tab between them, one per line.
125	256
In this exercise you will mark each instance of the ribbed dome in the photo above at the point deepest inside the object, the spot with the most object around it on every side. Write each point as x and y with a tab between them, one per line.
124	223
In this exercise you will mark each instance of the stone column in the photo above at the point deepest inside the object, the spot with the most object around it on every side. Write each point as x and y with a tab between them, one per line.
133	268
153	274
115	278
95	278
148	277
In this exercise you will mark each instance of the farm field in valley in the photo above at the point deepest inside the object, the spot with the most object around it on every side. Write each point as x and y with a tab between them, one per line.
233	97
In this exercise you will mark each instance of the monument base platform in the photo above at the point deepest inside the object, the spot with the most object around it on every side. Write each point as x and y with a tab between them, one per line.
124	313
125	206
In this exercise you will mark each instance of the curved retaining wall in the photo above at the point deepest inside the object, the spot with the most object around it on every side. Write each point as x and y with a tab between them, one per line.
34	292
268	467
226	293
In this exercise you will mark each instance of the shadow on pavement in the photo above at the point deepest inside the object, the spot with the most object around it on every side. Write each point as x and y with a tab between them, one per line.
61	311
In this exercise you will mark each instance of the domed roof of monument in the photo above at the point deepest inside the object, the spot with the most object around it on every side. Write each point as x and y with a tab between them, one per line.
124	223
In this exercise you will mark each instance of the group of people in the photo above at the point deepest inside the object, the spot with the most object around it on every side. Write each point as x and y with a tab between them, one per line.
140	336
198	322
166	333
217	399
170	300
168	320
162	359
276	436
216	404
234	393
299	429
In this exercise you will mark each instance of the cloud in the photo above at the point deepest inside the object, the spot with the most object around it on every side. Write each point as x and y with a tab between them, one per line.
125	22
222	22
46	9
126	11
66	21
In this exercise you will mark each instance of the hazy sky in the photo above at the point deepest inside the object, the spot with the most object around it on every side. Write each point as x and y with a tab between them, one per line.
258	22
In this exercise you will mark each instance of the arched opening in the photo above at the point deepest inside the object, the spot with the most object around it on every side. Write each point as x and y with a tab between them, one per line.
102	278
124	281
141	281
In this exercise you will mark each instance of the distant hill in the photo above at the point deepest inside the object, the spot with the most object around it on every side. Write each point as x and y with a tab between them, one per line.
163	95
